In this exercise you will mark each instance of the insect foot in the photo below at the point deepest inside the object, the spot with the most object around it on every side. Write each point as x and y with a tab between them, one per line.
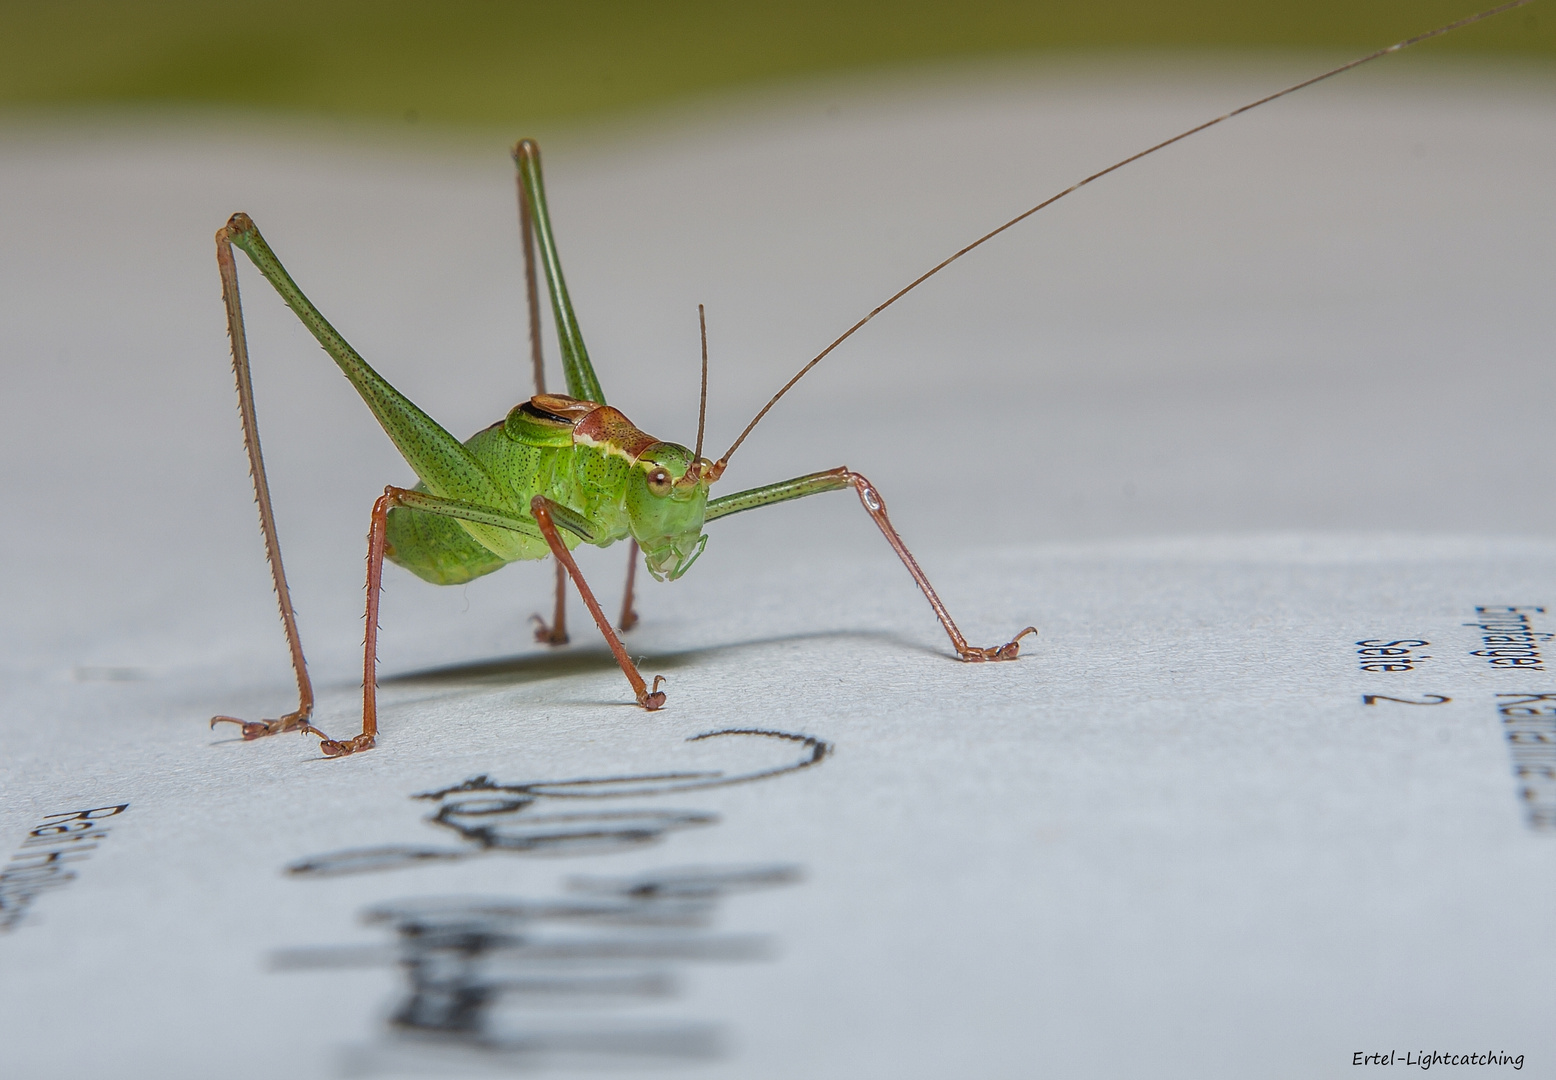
652	699
258	729
336	748
555	632
546	635
1008	651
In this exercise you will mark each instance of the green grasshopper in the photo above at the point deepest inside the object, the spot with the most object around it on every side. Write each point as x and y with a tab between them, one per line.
559	470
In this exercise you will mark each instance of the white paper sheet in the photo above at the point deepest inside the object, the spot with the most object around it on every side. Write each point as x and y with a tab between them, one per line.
1211	425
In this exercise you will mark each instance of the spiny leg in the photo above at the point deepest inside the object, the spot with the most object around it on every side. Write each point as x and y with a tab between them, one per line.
375	581
298	720
531	286
556	632
581	380
875	506
442	462
542	508
629	616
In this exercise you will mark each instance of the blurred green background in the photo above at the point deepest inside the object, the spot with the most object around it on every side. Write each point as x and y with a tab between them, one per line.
516	61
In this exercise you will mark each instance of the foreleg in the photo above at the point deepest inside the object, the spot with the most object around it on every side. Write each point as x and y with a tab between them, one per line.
544	509
875	506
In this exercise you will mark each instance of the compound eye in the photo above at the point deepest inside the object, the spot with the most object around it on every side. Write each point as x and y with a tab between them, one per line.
659	482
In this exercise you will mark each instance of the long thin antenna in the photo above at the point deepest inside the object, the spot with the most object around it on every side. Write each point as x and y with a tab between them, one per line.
719	466
702	408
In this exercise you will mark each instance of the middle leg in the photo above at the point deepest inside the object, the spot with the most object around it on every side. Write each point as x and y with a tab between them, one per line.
875	506
376	543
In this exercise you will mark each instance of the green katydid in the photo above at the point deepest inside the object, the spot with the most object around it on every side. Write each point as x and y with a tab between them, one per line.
560	470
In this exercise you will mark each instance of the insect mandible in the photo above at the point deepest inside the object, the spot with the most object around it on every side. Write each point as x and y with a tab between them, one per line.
561	470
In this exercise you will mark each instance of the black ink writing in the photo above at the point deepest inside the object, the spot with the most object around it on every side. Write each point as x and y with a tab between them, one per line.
1508	637
46	859
1529	725
1425	1059
491	817
523	982
1377	655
